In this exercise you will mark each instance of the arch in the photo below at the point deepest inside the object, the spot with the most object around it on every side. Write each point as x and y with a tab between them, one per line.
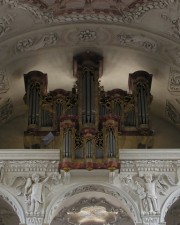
12	201
168	203
127	201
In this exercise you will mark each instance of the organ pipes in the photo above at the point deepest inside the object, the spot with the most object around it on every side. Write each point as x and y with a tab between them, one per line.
88	120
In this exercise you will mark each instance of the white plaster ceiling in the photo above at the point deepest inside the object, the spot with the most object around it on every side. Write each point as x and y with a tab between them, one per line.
131	35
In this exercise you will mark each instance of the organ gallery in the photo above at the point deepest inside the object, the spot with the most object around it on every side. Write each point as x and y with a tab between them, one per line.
88	124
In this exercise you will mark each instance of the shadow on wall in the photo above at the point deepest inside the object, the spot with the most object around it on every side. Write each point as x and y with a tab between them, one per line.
166	135
11	134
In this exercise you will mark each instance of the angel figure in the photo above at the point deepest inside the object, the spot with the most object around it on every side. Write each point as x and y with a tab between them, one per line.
34	192
151	196
151	188
147	189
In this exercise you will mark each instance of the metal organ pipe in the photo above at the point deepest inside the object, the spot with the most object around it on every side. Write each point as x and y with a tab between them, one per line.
34	104
145	106
84	99
37	107
139	107
67	143
30	107
111	143
142	106
88	149
58	109
88	98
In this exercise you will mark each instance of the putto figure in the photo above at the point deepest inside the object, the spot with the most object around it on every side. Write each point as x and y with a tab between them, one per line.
148	188
151	196
34	192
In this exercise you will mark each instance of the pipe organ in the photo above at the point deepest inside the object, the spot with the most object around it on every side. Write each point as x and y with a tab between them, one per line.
88	124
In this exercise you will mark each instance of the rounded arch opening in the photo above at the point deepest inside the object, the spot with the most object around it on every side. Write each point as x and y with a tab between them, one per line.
14	204
175	196
112	197
172	215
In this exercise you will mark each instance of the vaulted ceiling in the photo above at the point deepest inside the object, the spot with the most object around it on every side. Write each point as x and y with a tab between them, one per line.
131	35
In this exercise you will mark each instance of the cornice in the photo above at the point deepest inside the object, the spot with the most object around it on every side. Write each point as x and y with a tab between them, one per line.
29	154
125	154
149	154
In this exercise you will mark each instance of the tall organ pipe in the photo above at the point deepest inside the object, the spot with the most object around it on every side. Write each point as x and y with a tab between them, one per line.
88	97
37	106
140	85
88	149
111	143
88	69
142	106
67	143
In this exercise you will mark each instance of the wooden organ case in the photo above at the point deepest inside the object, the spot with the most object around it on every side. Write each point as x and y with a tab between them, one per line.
88	124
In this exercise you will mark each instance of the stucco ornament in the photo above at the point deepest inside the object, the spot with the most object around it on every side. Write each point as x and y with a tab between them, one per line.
174	81
35	188
137	41
5	24
6	110
34	195
87	35
4	84
147	188
172	18
31	44
1	172
172	113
